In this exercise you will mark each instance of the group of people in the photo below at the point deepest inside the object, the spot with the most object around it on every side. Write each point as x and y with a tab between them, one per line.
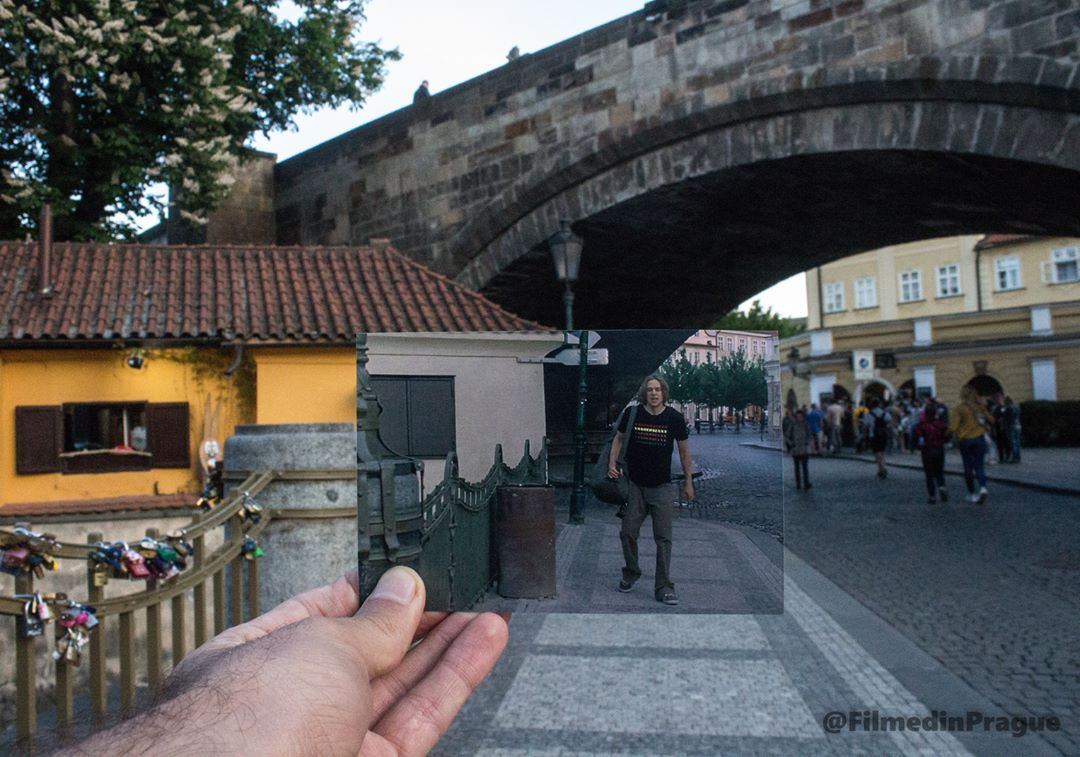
910	424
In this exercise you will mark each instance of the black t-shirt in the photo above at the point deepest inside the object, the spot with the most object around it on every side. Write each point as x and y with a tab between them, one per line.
648	452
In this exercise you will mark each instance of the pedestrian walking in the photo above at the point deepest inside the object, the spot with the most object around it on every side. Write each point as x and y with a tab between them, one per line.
657	429
929	436
814	419
1012	421
797	441
835	417
877	423
968	428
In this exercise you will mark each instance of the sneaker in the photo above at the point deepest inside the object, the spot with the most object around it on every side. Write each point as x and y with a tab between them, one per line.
807	485
625	586
944	495
882	473
668	597
982	495
931	501
973	498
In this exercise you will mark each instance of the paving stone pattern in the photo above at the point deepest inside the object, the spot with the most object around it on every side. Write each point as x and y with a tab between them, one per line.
988	594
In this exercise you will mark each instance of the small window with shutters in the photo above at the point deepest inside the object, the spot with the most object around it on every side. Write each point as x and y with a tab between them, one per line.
417	414
101	437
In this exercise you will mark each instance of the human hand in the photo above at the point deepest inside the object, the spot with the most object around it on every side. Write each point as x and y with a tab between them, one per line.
317	675
688	489
613	471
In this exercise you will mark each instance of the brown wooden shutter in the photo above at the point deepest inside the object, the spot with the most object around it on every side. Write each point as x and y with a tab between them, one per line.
39	437
167	436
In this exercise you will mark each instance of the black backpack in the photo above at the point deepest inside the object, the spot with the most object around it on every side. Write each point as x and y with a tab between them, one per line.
881	425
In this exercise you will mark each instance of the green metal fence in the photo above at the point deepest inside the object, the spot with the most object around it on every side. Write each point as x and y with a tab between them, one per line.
458	557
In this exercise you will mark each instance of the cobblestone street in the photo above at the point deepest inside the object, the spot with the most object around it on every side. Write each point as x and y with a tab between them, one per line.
889	604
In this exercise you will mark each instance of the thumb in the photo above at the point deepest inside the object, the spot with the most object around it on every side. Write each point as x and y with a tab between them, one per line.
385	625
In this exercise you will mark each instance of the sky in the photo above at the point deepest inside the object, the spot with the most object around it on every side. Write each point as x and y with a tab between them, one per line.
448	43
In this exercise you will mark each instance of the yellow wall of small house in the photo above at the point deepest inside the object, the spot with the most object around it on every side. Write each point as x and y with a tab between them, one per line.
306	385
54	377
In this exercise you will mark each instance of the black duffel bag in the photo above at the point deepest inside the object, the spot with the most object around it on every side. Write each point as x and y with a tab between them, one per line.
614	491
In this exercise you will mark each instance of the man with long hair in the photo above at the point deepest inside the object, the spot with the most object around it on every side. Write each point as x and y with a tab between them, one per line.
657	428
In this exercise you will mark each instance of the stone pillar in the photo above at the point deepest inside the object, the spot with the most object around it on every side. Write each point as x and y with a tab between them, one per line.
300	553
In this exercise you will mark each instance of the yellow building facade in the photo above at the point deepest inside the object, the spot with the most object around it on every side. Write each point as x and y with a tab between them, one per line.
927	317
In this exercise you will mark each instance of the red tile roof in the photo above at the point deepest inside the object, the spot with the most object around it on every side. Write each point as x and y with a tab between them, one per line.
257	294
996	240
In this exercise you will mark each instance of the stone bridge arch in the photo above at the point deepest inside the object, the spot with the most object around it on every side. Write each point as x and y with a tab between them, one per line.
717	216
707	148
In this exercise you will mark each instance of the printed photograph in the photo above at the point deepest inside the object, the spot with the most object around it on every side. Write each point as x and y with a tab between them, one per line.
624	471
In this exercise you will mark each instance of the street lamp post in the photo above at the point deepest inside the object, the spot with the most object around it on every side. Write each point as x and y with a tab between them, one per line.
566	252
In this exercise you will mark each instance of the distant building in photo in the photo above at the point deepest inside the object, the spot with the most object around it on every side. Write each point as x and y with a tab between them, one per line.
925	318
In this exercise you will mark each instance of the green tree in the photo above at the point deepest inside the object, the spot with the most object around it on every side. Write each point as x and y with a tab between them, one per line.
99	99
711	384
759	318
745	381
679	375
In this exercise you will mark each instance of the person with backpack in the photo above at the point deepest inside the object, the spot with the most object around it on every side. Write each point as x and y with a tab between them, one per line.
878	424
968	427
929	437
656	431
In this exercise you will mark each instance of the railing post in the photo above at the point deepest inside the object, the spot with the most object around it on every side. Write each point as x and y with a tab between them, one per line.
153	630
25	669
95	591
199	591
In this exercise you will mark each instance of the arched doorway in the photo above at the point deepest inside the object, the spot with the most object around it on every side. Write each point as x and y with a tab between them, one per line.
986	385
840	393
878	389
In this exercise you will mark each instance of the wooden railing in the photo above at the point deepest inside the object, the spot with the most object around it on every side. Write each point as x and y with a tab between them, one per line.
120	612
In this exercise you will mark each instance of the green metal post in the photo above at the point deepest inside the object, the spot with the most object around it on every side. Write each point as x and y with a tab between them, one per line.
577	497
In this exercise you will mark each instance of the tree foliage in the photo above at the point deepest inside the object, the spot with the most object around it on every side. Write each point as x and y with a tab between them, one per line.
99	99
735	381
678	372
758	318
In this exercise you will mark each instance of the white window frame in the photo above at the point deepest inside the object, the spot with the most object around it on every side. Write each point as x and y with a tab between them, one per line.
912	281
832	295
1009	267
923	375
1044	378
1061	256
821	342
922	332
948	280
865	292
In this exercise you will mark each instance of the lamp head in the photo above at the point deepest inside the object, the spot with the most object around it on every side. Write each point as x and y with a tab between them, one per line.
566	252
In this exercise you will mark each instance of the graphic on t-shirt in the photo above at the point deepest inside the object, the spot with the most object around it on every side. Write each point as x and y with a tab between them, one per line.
649	434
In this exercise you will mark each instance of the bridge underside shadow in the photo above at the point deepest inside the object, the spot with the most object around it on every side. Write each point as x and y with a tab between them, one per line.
686	253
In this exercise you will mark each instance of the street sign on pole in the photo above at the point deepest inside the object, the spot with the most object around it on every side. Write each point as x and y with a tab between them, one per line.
573	357
572	339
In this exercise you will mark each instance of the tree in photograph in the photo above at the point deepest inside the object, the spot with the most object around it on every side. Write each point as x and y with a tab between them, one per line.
99	99
678	372
759	318
711	383
746	381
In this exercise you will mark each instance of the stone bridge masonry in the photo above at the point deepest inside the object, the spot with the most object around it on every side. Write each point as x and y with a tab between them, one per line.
705	149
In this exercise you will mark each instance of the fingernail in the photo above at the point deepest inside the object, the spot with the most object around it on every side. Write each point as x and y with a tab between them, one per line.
397	584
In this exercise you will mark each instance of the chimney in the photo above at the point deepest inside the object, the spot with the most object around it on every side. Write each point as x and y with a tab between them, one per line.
45	251
378	243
